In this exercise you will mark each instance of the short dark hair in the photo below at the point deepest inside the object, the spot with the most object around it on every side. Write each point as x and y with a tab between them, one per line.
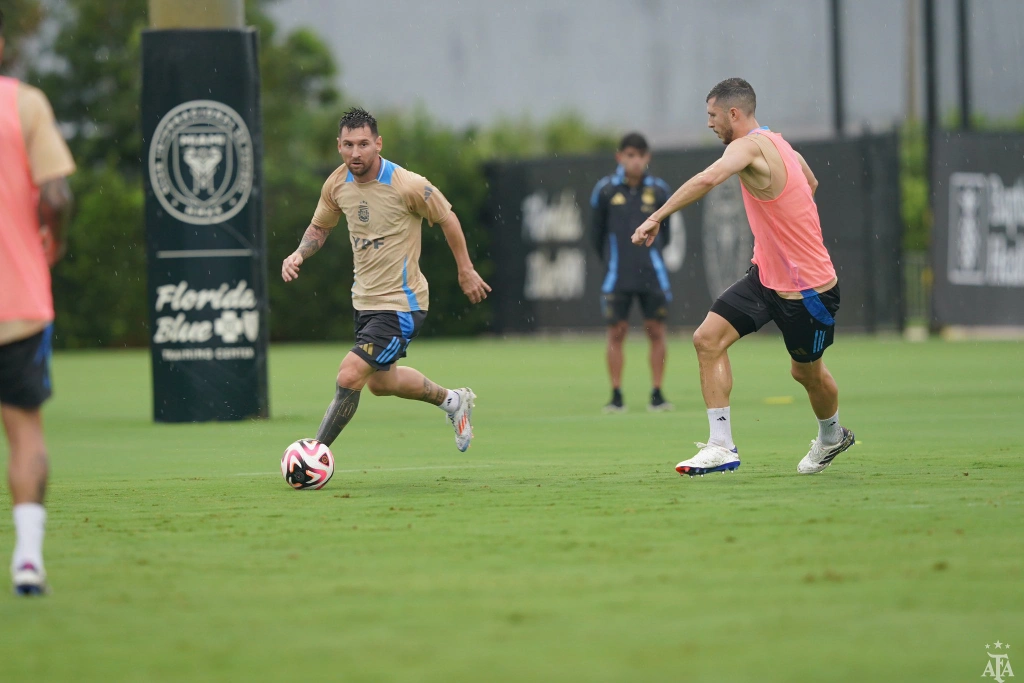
734	92
356	118
634	140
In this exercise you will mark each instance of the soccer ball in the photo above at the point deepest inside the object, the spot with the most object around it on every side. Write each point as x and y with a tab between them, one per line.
307	464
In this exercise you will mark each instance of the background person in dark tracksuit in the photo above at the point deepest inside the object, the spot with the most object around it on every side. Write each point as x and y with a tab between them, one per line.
618	202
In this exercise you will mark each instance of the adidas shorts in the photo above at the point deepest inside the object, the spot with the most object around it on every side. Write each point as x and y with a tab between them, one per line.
808	325
25	371
383	336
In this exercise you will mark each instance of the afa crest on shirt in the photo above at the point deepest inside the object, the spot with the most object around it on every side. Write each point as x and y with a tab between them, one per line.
618	200
364	212
648	200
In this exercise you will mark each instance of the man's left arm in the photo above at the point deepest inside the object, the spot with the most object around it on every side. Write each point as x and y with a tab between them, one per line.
50	162
472	284
738	155
808	173
427	202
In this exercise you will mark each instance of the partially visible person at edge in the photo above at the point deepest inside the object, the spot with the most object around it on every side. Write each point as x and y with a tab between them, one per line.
35	203
619	202
384	207
792	280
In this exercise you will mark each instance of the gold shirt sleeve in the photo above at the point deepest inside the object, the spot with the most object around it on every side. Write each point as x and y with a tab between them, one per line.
422	198
328	213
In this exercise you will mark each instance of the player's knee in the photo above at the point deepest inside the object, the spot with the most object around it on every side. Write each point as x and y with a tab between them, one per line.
617	332
349	378
807	374
655	331
707	344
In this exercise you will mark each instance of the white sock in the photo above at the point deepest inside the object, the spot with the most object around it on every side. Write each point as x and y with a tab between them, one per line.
829	431
450	404
721	427
29	522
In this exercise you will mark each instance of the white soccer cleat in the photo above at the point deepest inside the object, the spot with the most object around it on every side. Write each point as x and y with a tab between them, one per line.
461	419
710	458
821	456
28	580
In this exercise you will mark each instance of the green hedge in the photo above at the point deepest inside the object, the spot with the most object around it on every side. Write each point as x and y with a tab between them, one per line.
100	288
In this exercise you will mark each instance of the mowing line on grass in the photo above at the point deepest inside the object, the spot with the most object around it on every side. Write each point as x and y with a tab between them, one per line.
379	469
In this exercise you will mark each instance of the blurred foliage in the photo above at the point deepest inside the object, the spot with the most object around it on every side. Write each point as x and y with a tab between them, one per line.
92	76
21	19
914	207
914	182
100	288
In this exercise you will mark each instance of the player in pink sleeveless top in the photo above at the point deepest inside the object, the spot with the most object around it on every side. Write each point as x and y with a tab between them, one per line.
34	204
792	280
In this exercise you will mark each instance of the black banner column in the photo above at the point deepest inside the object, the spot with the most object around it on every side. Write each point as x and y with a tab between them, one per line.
205	238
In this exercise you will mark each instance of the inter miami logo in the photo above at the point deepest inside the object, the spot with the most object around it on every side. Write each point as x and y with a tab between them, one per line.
201	162
728	242
364	212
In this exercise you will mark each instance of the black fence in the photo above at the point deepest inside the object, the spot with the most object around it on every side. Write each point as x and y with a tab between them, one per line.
978	238
548	276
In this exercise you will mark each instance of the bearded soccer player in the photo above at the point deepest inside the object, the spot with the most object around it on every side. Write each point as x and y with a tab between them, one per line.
792	280
34	205
384	206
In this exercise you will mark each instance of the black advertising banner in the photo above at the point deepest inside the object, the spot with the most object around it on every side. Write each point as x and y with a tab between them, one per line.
205	238
978	238
548	274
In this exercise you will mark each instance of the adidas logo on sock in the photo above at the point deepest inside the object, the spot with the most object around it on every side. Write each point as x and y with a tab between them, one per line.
722	419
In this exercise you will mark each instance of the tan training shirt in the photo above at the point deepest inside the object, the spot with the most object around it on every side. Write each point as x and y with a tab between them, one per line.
384	218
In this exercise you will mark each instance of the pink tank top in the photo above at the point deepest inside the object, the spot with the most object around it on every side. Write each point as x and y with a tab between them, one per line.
788	248
24	276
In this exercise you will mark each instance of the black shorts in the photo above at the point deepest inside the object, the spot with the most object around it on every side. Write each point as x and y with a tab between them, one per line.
25	370
808	325
616	305
383	336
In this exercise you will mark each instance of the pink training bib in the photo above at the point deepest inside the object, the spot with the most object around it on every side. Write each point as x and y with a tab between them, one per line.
788	248
24	275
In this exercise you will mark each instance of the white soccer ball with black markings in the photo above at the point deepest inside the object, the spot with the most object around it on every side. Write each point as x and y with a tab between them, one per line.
307	465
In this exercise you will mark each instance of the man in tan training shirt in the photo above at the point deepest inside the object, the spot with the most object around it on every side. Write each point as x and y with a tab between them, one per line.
384	207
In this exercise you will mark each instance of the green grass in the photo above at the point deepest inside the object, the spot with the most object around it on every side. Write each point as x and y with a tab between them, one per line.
562	546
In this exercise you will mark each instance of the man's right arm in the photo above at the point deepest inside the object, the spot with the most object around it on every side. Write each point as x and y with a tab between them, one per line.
325	218
312	240
738	155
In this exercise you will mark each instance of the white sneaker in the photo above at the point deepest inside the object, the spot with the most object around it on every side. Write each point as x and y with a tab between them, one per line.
821	456
461	419
28	580
710	458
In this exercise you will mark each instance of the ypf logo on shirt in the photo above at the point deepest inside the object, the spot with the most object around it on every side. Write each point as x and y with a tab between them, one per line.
201	162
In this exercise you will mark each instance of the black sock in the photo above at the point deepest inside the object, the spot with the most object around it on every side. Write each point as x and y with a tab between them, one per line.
656	393
616	395
338	414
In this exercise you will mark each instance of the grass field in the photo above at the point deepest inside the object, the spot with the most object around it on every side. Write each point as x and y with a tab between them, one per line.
561	547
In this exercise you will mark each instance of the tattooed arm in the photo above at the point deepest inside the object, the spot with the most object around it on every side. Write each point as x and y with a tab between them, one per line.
312	240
